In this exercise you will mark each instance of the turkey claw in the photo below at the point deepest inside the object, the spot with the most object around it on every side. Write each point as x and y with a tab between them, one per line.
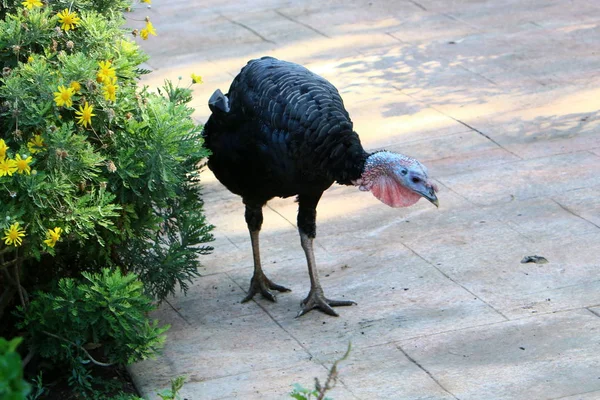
261	284
320	302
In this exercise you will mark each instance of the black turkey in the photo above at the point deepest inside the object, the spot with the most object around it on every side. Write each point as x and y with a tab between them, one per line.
282	130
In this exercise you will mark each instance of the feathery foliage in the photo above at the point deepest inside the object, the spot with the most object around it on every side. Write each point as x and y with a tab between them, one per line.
100	202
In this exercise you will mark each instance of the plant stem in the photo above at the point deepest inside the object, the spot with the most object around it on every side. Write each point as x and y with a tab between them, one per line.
29	356
92	359
7	264
6	298
333	375
18	279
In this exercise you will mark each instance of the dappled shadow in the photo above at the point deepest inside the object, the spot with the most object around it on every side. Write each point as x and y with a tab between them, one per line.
553	127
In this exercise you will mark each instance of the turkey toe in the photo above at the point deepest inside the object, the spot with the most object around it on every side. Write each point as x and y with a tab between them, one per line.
320	302
263	285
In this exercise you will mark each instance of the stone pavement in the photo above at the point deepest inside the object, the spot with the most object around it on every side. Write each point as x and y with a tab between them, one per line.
501	99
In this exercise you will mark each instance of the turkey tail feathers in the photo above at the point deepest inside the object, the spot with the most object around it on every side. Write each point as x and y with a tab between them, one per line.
218	102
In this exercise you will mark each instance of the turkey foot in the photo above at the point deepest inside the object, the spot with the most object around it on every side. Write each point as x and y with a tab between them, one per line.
261	284
318	300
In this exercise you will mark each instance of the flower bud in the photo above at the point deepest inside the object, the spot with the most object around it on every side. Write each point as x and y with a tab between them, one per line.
111	167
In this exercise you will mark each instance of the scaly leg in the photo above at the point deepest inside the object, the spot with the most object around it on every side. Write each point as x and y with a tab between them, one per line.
307	227
259	283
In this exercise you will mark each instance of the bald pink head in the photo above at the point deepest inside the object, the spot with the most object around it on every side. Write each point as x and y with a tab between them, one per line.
397	180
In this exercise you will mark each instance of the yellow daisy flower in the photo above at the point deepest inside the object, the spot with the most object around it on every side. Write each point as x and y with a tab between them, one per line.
144	34
106	72
110	90
63	96
7	167
14	235
29	4
36	144
147	1
196	78
53	236
3	148
84	115
30	59
76	86
150	28
68	19
22	164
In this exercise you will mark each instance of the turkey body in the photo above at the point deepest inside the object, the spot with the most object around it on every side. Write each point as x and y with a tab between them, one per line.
282	130
286	133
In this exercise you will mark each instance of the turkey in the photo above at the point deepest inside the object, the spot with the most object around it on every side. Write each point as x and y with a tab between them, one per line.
283	131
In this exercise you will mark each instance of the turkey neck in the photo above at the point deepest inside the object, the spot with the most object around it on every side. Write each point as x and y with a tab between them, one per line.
345	157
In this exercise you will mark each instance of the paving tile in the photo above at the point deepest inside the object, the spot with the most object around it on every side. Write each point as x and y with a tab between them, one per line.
584	203
593	395
394	299
211	299
384	372
539	358
194	351
337	17
542	220
455	153
431	27
271	26
486	259
540	177
565	124
272	383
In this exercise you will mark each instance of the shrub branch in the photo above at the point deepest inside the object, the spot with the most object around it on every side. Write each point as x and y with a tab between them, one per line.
89	356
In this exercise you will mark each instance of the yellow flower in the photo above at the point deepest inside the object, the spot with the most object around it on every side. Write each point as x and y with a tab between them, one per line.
106	72
7	167
53	235
22	164
110	90
30	59
3	148
196	78
147	1
36	144
150	28
76	86
144	34
29	4
13	235
63	96
68	19
84	115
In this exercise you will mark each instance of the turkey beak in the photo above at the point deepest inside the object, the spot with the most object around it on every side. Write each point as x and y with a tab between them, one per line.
430	195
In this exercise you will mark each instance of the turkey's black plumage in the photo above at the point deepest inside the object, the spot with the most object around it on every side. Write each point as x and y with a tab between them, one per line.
282	131
286	132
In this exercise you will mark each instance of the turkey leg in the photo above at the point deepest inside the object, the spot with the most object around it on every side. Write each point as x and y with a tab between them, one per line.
307	216
316	298
259	283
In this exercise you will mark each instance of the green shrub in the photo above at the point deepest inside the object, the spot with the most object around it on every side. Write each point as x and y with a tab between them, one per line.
104	314
173	392
12	385
95	173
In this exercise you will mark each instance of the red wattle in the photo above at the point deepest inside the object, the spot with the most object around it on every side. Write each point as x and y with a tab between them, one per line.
390	192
